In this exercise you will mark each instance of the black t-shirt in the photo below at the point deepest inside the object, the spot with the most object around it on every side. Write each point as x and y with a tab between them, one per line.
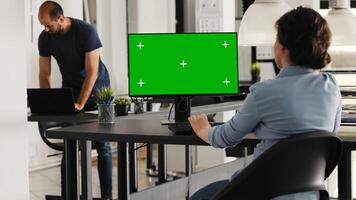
69	51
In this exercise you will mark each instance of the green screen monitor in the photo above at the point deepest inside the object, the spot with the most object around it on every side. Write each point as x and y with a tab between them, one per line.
187	64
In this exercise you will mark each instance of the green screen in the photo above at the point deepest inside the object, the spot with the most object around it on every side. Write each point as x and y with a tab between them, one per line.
183	64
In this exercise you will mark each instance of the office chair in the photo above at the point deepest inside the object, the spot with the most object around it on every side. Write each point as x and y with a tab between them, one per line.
299	163
59	146
43	127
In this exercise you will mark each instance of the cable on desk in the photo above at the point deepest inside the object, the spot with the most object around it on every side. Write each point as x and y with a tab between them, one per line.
173	105
170	111
56	154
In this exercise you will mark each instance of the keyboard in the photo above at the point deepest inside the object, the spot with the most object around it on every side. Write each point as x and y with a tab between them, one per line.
184	128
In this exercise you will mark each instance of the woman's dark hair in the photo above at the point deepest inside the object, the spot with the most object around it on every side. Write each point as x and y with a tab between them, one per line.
307	37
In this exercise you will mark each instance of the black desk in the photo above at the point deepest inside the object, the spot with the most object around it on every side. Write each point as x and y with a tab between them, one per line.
129	131
70	147
163	136
345	172
150	131
344	166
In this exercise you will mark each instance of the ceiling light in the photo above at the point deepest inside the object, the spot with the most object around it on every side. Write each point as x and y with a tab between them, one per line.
257	25
342	23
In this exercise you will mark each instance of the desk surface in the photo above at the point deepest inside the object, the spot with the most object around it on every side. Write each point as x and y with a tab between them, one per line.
129	130
147	131
207	109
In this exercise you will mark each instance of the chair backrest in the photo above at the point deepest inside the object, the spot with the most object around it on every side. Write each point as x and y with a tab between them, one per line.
295	164
43	127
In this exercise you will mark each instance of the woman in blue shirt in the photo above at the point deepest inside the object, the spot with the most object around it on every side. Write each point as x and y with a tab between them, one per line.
299	99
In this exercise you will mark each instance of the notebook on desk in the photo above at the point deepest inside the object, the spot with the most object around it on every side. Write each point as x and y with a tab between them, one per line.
51	101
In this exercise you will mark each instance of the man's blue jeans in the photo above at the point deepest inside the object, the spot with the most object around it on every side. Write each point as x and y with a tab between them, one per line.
104	169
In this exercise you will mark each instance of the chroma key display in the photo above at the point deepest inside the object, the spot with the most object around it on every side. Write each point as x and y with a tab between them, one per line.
183	64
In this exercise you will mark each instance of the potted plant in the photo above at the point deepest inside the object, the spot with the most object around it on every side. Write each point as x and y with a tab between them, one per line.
106	106
255	72
122	105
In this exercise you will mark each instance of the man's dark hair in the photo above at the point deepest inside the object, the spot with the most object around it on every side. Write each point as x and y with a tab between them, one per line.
307	37
54	9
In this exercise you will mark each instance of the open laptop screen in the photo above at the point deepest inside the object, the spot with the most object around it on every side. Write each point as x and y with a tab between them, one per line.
51	101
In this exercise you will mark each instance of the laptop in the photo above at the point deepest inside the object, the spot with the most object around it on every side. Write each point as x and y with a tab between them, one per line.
51	101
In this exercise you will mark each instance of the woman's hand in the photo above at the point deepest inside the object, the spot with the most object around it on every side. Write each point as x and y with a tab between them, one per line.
200	125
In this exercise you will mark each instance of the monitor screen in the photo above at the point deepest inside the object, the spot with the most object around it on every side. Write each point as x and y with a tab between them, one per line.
170	64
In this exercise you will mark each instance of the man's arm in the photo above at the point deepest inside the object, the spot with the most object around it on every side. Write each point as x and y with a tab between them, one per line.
92	68
45	72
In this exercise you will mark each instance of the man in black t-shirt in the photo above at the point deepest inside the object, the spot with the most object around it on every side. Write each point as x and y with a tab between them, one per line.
75	46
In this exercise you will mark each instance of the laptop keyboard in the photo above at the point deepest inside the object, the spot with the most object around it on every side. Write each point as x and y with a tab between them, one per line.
184	128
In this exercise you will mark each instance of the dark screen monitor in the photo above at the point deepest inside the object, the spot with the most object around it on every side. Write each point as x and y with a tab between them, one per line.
182	65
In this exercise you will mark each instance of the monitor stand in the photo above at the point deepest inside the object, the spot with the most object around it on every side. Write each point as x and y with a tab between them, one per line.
182	106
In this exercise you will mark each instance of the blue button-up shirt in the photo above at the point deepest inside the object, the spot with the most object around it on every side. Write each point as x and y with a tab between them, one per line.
297	100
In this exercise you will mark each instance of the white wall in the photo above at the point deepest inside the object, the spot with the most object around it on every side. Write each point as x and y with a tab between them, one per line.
229	13
111	27
152	16
13	137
